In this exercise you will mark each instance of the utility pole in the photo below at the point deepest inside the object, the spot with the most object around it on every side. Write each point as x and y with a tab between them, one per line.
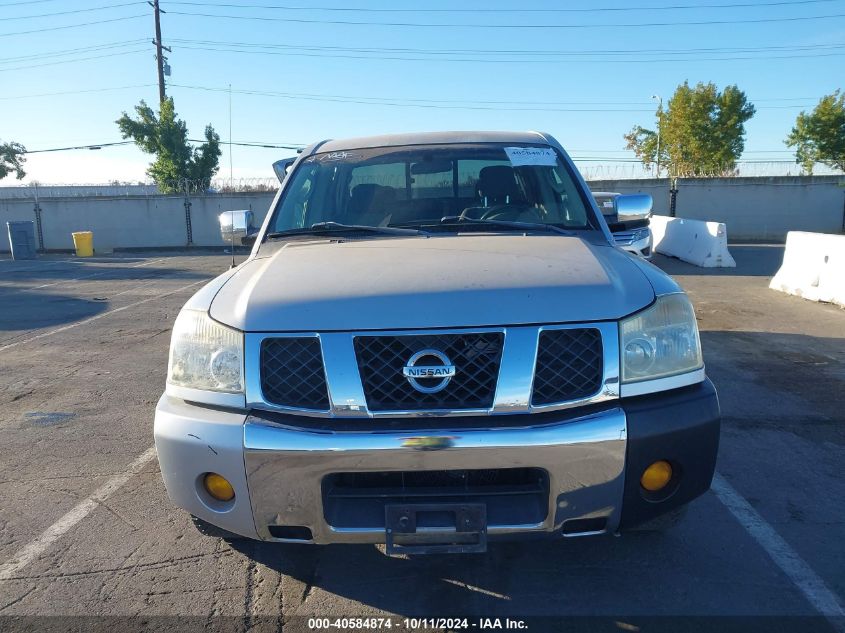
659	113
159	47
231	181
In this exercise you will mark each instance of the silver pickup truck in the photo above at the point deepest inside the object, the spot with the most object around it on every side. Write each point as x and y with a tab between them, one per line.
435	343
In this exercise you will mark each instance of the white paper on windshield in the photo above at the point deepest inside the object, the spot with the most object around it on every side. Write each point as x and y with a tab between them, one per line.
531	156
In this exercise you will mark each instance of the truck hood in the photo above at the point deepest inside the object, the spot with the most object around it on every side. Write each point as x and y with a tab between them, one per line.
436	282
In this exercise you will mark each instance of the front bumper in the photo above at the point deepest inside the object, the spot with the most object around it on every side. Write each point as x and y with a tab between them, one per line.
593	460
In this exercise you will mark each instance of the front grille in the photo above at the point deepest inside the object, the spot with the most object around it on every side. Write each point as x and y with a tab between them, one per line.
569	365
292	373
476	357
626	238
513	496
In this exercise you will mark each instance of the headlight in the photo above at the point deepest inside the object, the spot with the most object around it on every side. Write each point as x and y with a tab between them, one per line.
205	354
660	341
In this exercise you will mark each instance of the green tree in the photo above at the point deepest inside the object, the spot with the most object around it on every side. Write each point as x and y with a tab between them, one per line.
819	137
12	158
701	132
178	166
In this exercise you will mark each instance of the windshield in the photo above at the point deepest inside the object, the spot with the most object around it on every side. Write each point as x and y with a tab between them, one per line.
433	185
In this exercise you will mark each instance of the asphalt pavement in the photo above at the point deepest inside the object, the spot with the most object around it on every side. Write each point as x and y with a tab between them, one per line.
87	532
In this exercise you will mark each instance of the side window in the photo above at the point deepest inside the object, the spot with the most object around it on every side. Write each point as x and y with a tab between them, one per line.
297	199
433	185
383	174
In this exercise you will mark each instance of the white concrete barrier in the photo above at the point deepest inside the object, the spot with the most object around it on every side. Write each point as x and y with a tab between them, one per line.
695	241
813	267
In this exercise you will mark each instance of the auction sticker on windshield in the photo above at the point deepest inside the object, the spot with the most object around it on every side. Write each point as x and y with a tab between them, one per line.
531	156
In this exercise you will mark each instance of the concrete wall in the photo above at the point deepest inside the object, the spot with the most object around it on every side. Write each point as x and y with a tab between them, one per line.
762	209
206	210
133	221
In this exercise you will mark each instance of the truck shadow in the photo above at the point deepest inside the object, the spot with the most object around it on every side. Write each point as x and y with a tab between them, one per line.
539	578
585	576
37	273
41	296
32	311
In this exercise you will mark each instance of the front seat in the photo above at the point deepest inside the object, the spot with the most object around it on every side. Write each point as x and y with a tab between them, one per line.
370	204
497	184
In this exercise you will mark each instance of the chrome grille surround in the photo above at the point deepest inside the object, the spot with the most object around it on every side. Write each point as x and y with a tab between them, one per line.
381	360
292	372
513	392
569	365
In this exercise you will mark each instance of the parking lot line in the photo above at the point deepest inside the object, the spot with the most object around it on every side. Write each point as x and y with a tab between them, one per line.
99	316
99	274
787	559
32	550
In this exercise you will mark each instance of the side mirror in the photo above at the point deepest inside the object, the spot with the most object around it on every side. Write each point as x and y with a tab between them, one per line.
633	208
236	227
282	167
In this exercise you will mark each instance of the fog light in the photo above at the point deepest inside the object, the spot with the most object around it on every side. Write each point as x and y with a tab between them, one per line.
656	476
218	487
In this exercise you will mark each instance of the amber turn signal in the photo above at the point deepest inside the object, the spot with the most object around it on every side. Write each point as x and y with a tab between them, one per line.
656	476
218	487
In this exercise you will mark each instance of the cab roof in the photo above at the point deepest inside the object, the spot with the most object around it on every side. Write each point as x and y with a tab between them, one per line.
427	138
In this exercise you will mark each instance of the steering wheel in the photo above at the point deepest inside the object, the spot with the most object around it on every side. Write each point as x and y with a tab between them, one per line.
512	213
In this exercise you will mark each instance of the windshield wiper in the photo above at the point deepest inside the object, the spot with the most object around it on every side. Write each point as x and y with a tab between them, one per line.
320	228
528	226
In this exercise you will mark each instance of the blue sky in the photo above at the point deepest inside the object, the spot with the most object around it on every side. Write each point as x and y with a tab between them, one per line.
585	95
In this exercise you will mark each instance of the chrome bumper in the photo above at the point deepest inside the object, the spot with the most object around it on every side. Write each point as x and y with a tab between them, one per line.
584	458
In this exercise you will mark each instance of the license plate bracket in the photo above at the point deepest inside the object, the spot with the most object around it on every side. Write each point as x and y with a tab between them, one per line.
436	528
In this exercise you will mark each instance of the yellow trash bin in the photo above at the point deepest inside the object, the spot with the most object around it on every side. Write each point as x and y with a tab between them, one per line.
83	242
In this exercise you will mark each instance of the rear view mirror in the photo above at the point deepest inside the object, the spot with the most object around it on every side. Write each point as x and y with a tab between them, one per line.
236	227
633	208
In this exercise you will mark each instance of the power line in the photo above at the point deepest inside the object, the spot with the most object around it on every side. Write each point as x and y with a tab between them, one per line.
78	59
532	52
72	26
251	144
74	92
294	146
88	10
429	104
369	101
71	51
15	4
376	99
64	149
603	25
96	146
382	57
488	10
292	51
